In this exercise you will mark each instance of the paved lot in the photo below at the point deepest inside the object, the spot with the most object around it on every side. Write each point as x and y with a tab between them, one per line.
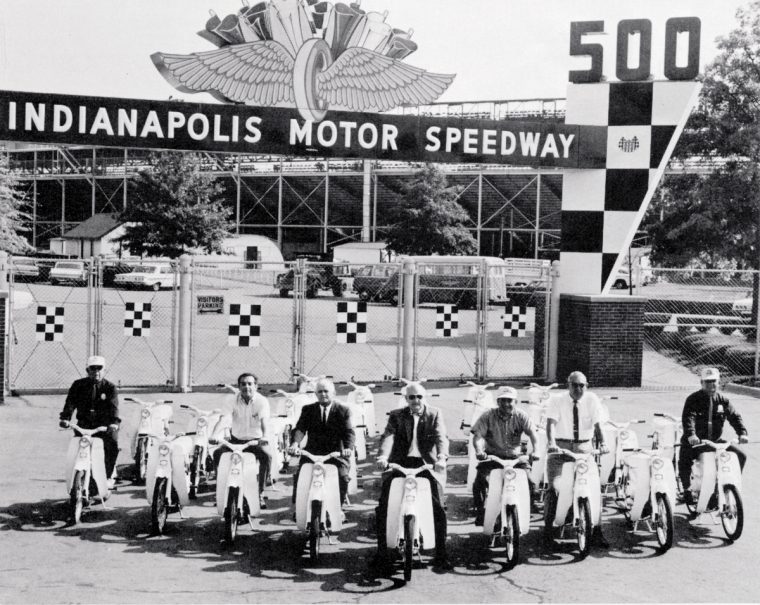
111	558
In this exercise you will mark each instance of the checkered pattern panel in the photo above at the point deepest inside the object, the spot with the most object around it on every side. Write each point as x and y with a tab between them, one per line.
137	319
49	324
245	325
351	327
602	208
518	321
446	321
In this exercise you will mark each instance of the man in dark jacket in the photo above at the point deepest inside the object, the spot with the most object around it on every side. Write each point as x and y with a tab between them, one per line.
327	425
704	414
96	403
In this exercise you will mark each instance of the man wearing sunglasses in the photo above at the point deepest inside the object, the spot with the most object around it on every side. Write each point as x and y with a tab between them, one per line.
414	436
96	403
573	422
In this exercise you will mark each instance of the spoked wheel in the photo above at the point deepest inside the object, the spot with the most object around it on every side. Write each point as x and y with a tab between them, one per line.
231	515
195	471
511	534
732	515
410	526
316	516
159	509
76	497
584	527
664	522
141	460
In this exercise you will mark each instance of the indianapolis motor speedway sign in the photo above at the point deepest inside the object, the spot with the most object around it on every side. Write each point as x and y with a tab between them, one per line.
308	79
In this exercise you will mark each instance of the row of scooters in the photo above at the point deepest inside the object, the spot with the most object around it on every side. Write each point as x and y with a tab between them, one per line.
641	481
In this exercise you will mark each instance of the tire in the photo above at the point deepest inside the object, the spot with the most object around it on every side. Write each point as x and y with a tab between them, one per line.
141	460
364	296
195	471
663	519
732	515
156	287
231	515
284	293
53	282
584	528
410	526
316	516
76	497
311	292
159	509
511	534
337	289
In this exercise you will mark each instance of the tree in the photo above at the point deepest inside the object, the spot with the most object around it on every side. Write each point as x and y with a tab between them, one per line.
174	208
429	220
12	218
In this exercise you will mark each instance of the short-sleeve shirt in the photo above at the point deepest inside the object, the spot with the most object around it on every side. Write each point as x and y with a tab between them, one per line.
589	413
246	417
503	437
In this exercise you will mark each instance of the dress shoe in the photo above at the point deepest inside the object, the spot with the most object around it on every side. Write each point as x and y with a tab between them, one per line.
479	519
441	564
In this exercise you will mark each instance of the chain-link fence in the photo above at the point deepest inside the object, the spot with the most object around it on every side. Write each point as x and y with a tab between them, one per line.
698	318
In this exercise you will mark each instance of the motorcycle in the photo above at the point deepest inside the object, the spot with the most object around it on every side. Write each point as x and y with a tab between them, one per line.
478	400
167	481
621	440
507	506
201	423
361	397
85	461
666	437
716	485
318	500
536	406
154	420
409	523
575	498
237	487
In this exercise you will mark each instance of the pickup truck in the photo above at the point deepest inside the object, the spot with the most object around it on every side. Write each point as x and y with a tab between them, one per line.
317	278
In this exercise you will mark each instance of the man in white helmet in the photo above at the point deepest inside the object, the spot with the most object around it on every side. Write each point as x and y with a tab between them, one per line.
96	403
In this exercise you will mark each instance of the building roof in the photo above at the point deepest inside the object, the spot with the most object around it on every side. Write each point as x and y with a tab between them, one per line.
94	227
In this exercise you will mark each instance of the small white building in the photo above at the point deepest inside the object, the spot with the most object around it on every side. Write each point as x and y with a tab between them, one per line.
363	253
94	237
245	251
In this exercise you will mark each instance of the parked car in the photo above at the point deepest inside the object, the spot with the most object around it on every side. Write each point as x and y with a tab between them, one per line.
743	306
69	272
152	276
317	278
25	269
623	279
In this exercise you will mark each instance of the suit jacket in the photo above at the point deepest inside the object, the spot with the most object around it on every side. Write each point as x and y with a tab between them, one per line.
337	434
431	435
695	416
101	410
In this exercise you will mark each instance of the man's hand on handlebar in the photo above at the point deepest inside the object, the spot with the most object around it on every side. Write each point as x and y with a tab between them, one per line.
604	448
112	428
481	455
743	439
439	466
533	458
346	452
693	440
293	450
64	424
382	464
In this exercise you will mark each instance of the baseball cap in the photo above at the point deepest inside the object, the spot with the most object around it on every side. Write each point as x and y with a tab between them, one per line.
710	374
506	393
96	360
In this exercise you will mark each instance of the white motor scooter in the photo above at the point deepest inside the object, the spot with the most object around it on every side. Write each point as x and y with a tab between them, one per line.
237	487
507	506
716	485
666	439
318	509
621	441
536	406
167	481
361	397
477	401
154	420
200	425
409	524
85	460
575	497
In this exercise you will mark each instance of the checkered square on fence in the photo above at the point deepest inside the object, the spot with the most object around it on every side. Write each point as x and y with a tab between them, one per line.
137	319
446	321
245	325
49	324
518	321
352	322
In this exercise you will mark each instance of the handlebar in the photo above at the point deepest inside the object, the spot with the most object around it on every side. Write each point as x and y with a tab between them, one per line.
623	425
148	403
198	411
88	432
667	416
510	462
553	385
239	447
320	459
575	456
718	445
410	471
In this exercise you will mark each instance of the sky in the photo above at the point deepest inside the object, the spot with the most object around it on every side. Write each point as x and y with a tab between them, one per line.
499	49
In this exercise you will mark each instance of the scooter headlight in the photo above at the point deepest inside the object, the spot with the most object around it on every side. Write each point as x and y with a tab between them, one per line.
84	442
318	471
658	463
724	457
582	468
289	403
510	474
236	458
410	483
145	413
202	423
625	435
163	449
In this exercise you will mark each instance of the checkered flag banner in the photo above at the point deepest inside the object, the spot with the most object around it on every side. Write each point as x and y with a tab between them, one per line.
446	321
49	324
352	322
519	321
245	325
137	319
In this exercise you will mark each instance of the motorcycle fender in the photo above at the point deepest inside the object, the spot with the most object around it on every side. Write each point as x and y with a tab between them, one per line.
159	416
563	485
98	466
666	485
493	503
538	470
423	510
733	475
707	459
222	476
72	464
303	494
467	415
607	470
153	469
361	445
592	490
353	481
472	463
369	417
180	478
639	484
251	483
329	494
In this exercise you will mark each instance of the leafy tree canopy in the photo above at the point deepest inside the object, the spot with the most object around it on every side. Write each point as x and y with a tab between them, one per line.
12	217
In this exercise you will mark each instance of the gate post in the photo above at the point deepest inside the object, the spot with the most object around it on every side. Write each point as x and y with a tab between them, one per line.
408	270
551	366
184	333
4	324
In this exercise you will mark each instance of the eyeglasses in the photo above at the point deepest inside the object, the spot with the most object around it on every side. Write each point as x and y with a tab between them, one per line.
324	391
578	384
414	396
96	368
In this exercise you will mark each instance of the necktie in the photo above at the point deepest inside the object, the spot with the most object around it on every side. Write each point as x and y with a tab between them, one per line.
324	415
416	419
709	418
576	423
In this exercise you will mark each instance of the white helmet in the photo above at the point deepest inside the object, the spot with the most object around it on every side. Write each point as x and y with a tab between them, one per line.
96	360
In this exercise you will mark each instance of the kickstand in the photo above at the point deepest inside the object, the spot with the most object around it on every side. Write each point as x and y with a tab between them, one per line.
493	540
179	510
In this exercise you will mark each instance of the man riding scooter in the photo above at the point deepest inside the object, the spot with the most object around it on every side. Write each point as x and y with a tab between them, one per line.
414	436
96	402
498	433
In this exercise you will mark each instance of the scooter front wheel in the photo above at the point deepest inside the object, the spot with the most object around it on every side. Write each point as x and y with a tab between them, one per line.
511	534
583	528
141	459
664	522
76	497
314	530
231	515
159	510
410	527
732	515
195	471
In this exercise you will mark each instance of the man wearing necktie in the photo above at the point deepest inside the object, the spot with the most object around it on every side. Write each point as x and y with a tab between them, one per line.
328	428
414	436
704	413
573	420
96	402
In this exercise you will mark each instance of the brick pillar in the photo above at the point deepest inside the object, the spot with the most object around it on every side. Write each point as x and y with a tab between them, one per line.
4	340
602	336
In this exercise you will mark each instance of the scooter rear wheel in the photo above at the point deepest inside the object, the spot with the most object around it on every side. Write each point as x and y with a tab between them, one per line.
732	515
195	471
664	522
231	515
159	510
584	527
76	497
410	527
316	516
511	534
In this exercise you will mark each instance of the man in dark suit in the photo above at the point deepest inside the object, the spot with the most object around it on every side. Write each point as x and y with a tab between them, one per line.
414	436
327	424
